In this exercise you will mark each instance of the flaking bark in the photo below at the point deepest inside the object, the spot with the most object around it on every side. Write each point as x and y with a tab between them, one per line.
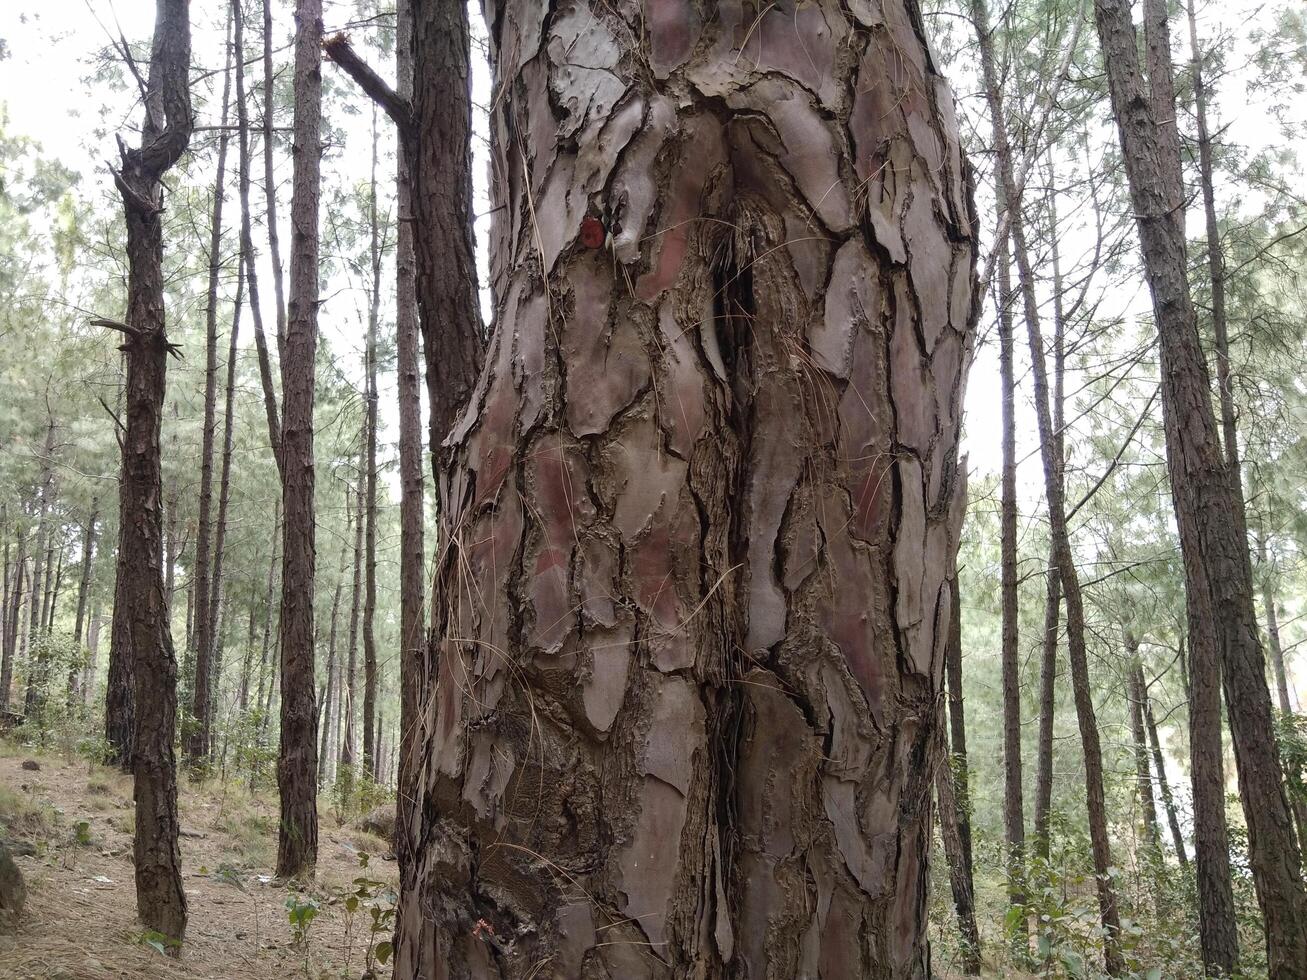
692	594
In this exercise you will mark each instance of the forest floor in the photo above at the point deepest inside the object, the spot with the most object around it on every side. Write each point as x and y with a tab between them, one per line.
75	820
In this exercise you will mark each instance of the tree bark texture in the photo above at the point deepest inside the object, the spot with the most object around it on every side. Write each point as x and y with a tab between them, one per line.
297	758
1209	509
370	480
160	900
693	592
412	518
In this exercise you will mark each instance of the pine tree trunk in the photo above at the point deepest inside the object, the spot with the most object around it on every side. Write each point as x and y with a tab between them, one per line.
1208	505
269	603
83	590
216	590
693	592
329	695
10	640
160	900
1014	834
120	684
412	565
348	744
1143	778
1052	584
39	594
297	762
1159	766
952	782
270	195
370	476
249	258
200	736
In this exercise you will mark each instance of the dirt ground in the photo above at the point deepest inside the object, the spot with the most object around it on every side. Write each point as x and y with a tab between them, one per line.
80	922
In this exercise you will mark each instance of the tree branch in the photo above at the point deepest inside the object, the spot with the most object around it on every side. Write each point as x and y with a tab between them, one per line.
116	325
338	49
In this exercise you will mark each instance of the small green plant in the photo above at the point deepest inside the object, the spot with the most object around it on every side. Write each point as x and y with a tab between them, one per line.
378	902
157	941
82	833
301	910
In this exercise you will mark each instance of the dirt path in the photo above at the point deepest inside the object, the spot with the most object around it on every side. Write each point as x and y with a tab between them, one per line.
80	922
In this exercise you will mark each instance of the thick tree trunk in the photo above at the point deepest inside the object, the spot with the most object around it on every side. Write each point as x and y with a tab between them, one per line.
1208	504
694	593
199	739
160	900
297	762
370	477
1159	766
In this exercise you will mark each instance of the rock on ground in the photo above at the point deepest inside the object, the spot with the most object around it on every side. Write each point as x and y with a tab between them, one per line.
13	892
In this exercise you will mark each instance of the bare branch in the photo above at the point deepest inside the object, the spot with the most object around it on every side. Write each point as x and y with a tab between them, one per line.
116	325
338	49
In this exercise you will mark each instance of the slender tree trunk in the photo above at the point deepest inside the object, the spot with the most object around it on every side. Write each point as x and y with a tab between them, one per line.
952	783
270	191
249	258
370	475
1011	204
160	900
1014	834
269	605
55	555
412	566
1273	629
120	684
1143	778
1215	258
83	590
1208	504
297	763
721	561
1052	584
92	652
1159	766
39	592
216	587
199	739
329	695
348	744
247	667
10	640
